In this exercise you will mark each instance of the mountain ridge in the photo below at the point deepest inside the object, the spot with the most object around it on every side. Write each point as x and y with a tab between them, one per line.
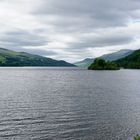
108	57
13	58
131	61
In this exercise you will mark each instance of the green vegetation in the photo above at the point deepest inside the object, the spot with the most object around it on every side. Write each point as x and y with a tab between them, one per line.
101	64
108	57
84	63
116	55
132	61
12	58
137	137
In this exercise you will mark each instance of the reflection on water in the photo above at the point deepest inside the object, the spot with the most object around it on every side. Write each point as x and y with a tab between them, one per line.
69	104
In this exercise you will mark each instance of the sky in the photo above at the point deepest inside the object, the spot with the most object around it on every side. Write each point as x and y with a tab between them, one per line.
70	30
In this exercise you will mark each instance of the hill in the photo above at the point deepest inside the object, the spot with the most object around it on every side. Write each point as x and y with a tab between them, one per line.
101	64
12	58
131	61
116	55
111	57
84	63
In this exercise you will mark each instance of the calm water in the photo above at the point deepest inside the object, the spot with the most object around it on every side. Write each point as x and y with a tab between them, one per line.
69	104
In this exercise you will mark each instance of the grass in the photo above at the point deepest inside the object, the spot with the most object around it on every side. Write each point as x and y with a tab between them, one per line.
137	137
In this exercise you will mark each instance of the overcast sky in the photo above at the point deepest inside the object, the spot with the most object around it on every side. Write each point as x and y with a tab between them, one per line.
70	29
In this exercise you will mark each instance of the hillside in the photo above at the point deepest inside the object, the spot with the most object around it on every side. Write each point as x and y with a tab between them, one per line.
84	63
12	58
131	61
116	55
108	57
101	64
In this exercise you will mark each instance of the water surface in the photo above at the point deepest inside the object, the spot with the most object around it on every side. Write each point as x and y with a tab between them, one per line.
69	104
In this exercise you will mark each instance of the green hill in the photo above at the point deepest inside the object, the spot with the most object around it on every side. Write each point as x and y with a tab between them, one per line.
12	58
101	64
84	63
108	57
131	61
116	55
137	137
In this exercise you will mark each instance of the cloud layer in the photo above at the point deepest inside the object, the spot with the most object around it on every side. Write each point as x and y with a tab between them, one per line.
70	30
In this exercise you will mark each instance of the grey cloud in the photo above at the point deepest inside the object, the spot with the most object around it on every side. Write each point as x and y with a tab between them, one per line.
18	40
103	41
22	38
99	41
40	52
87	7
88	13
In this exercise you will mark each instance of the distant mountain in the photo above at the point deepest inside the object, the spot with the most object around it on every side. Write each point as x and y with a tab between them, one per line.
131	61
117	55
108	57
12	58
84	63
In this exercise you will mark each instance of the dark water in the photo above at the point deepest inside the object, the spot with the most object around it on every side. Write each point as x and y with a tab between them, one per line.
69	104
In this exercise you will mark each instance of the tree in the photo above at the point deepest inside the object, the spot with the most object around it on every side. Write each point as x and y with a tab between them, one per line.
137	137
100	64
